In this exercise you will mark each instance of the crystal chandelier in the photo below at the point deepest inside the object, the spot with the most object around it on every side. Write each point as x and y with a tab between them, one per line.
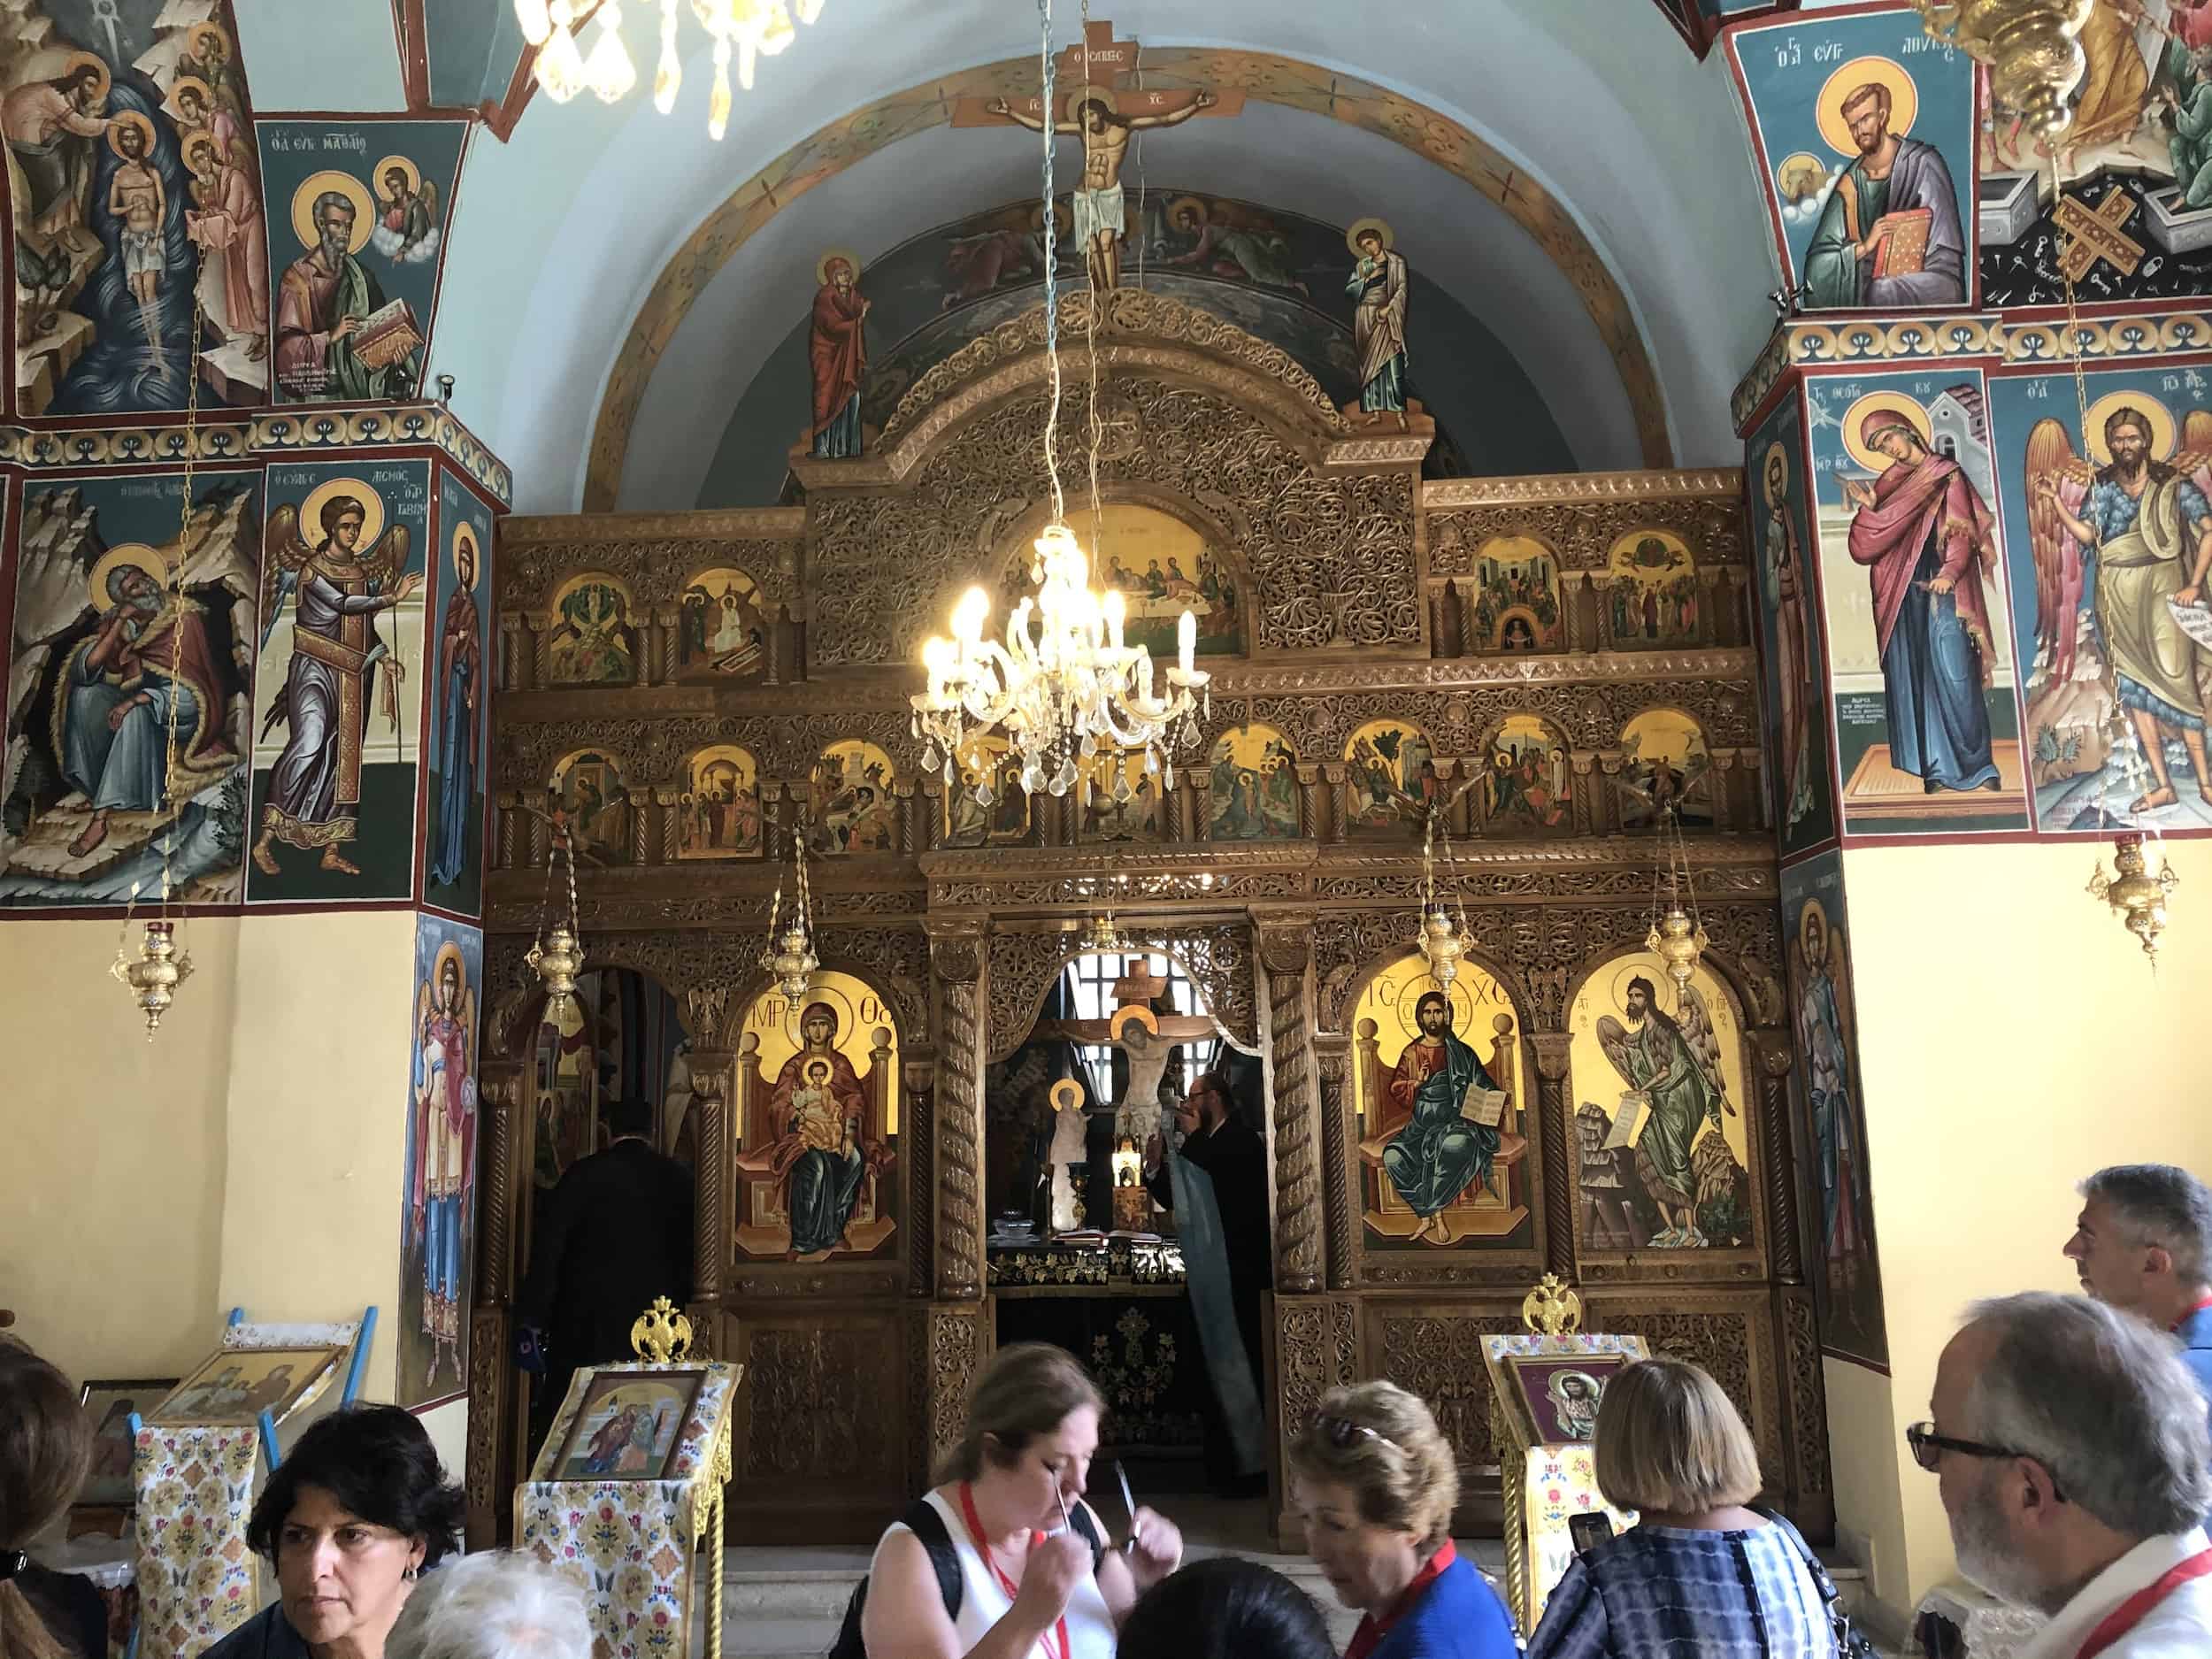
2030	48
788	956
1063	687
746	29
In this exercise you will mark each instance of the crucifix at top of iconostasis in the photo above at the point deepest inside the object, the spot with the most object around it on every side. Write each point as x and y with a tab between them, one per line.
1104	112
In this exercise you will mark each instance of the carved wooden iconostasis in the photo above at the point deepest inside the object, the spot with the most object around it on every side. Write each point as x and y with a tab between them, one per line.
674	692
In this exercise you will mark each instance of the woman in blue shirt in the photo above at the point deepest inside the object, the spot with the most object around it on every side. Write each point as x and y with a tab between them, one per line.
1701	1576
1374	1480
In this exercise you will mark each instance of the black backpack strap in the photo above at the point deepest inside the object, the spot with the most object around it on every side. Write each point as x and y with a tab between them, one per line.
927	1525
1079	1517
928	1528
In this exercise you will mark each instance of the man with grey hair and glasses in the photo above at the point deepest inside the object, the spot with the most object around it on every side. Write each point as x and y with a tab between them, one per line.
2140	1245
2072	1451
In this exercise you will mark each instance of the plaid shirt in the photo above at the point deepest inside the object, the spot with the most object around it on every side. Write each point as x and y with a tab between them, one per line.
1660	1592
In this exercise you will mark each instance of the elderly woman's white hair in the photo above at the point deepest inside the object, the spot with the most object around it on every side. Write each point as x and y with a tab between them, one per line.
498	1605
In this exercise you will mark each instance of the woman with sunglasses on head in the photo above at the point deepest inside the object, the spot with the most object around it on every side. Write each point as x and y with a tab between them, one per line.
1374	1481
1701	1572
1004	1560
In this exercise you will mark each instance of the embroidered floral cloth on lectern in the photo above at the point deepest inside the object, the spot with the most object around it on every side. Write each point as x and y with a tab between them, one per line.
631	1543
196	1576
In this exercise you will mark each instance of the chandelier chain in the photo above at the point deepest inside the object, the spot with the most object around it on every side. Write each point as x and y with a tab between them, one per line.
1052	257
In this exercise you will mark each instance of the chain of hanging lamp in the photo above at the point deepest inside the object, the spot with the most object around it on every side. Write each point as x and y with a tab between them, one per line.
1062	686
153	970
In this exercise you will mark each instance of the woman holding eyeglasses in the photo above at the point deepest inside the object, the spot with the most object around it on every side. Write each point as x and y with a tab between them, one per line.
1702	1572
1374	1481
1004	1560
357	1511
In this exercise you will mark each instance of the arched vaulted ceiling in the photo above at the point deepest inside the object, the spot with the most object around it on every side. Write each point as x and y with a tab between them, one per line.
1578	149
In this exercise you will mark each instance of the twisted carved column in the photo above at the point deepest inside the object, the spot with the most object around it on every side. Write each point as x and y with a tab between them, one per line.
1609	795
955	950
1586	809
1563	1163
539	640
918	1071
1721	788
1331	1065
713	1073
1311	815
1286	950
489	1458
1772	1047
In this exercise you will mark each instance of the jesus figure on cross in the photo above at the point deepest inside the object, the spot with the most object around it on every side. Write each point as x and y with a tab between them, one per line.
1105	133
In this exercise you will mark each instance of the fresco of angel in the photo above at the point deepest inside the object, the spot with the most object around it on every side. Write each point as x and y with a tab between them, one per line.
341	586
1674	1061
2132	539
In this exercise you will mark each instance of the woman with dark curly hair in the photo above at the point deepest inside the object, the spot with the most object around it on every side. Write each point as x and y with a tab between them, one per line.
356	1511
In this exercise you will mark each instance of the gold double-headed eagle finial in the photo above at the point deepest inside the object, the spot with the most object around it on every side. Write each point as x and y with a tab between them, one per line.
1553	1308
661	1335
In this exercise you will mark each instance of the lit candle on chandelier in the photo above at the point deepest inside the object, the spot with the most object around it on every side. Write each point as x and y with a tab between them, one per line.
1116	609
1186	642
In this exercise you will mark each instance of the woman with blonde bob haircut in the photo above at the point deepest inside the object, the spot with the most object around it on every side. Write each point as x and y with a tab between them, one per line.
1374	1480
1703	1571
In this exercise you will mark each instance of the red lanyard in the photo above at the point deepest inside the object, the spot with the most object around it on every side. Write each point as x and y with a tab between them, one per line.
2195	1309
1013	1590
2132	1611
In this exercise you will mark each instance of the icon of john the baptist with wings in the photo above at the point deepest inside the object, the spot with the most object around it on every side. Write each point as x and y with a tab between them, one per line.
317	554
1671	1063
2124	537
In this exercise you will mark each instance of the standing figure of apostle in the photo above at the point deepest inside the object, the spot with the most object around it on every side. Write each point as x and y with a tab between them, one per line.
461	651
2152	530
837	348
1378	326
1889	175
1440	1152
1793	648
315	788
1926	538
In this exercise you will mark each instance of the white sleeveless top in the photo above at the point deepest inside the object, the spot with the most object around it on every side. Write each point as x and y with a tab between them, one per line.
983	1604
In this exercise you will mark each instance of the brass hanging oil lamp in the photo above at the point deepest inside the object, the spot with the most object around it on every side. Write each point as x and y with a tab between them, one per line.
2030	48
558	958
789	956
152	974
2137	897
1443	937
1678	935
